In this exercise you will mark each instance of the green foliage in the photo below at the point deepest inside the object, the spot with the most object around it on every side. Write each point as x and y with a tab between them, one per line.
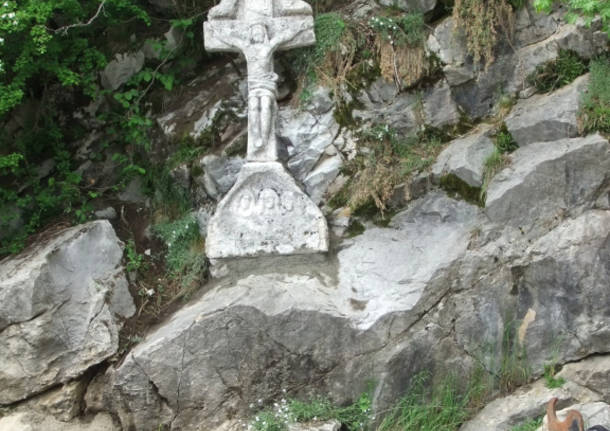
595	106
588	9
33	47
550	379
555	74
329	29
406	29
387	159
135	260
426	407
531	425
505	143
184	258
353	417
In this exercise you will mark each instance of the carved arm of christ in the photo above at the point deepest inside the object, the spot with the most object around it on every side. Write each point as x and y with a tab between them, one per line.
257	41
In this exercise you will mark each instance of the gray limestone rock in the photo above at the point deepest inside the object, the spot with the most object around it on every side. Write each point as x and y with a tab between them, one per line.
266	212
411	5
62	306
440	109
326	426
592	373
31	421
547	117
308	133
133	192
538	38
545	179
212	99
424	293
321	177
108	213
121	69
383	104
465	157
219	174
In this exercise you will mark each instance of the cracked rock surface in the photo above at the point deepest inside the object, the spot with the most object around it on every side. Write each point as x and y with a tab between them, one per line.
61	308
428	292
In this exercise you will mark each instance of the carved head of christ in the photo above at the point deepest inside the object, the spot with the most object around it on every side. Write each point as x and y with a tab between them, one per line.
258	33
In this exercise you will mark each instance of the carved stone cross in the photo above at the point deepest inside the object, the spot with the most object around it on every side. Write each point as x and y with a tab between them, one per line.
258	28
265	212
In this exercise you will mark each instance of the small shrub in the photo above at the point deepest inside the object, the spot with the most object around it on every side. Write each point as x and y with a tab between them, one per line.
135	260
185	260
550	379
555	74
483	23
595	107
505	143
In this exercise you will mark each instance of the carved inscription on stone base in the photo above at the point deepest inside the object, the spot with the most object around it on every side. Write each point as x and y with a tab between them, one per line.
266	213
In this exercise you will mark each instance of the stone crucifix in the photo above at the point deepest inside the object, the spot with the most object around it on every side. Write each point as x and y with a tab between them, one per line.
265	212
258	28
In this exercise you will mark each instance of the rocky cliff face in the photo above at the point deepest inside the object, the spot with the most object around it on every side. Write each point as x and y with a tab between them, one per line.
438	288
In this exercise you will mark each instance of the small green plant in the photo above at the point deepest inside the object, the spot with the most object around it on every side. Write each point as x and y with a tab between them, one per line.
504	144
595	106
555	74
135	260
184	259
531	425
550	379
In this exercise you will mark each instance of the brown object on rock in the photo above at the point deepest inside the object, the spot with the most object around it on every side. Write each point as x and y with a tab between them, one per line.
573	421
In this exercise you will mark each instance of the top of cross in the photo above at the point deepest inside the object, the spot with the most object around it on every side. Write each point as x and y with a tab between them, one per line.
292	20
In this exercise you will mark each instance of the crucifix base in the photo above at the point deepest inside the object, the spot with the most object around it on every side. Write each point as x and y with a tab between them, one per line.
266	213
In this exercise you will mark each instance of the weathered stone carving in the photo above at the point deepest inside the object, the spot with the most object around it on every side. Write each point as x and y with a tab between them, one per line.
265	212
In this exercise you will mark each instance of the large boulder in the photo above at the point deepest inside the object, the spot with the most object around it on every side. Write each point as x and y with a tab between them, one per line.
62	303
547	117
425	293
545	179
32	421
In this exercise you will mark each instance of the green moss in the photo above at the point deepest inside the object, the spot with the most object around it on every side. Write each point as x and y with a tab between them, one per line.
453	185
355	228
